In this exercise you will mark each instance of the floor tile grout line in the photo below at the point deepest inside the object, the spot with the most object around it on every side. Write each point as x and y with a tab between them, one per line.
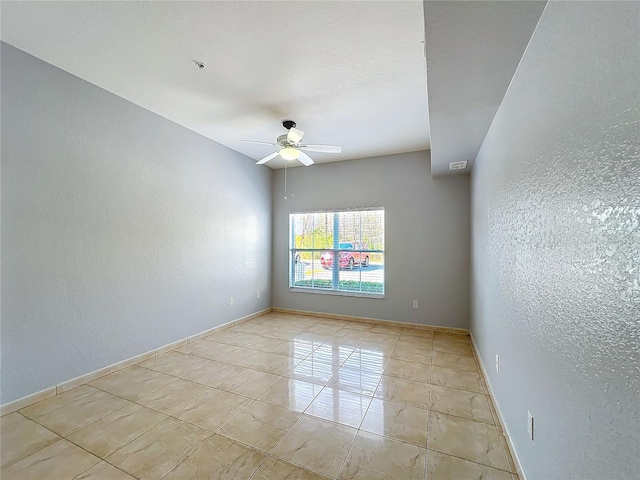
389	436
259	466
201	427
92	466
392	438
217	432
40	425
254	447
184	459
58	408
216	387
436	385
328	341
426	443
494	413
62	437
396	402
346	458
66	437
190	380
470	461
302	466
247	348
68	404
334	421
381	435
244	395
104	458
269	453
459	416
133	401
175	413
164	413
342	389
181	376
108	463
429	403
358	429
283	437
220	390
395	439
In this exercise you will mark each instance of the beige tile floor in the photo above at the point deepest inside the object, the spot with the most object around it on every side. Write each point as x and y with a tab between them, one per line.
280	396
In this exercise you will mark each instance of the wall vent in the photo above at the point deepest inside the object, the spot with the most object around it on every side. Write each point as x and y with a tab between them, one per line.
458	165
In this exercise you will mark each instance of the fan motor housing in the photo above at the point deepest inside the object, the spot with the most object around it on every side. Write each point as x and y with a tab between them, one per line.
282	140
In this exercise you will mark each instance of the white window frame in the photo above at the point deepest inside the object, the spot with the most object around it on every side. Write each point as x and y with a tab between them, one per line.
293	251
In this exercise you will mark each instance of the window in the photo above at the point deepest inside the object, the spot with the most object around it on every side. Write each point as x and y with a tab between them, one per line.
354	237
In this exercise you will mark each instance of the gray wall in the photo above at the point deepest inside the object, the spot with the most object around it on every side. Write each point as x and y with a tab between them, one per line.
426	228
556	245
121	231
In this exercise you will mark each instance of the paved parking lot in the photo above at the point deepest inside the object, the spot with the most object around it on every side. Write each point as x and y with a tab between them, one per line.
373	273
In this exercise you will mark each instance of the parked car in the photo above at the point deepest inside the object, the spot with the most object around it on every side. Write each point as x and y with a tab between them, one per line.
348	258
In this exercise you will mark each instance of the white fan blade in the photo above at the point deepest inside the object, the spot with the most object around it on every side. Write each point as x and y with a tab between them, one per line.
259	143
321	148
268	157
294	135
305	159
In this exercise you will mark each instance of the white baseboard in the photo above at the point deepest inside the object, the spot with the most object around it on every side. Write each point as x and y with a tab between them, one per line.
503	425
377	321
89	377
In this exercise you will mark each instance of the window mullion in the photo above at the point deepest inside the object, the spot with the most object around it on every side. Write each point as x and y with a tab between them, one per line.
313	256
292	255
335	264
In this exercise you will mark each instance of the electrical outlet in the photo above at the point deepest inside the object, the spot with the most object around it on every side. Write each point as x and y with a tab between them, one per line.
530	425
497	363
415	304
230	301
258	293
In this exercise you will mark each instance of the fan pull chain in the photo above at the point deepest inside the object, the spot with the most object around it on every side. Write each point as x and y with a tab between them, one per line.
285	181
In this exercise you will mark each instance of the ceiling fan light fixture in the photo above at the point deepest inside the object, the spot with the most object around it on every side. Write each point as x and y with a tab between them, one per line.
290	148
289	153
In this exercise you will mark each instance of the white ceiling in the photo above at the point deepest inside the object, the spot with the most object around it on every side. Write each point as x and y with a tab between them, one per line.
349	73
473	50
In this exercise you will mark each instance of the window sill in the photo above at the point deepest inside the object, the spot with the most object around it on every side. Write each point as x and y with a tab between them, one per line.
341	293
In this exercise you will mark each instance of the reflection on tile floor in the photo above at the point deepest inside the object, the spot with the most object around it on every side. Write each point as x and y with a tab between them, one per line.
280	396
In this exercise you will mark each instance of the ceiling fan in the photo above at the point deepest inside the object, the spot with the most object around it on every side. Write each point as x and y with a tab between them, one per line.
290	148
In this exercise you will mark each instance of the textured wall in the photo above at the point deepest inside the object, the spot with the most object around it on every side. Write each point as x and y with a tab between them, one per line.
121	231
556	245
426	228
